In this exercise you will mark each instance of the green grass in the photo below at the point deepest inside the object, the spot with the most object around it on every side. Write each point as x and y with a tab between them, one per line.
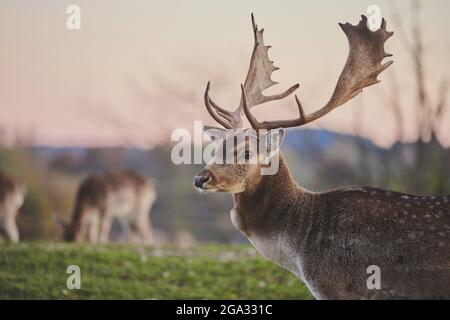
38	271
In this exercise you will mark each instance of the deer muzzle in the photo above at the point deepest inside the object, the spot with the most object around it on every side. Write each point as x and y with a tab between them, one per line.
202	178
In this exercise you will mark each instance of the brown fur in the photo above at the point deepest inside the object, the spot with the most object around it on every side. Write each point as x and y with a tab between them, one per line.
329	239
94	197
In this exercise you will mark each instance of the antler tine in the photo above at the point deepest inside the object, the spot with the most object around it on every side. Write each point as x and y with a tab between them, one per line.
259	74
272	124
253	122
281	95
232	119
218	114
366	52
255	27
258	79
222	112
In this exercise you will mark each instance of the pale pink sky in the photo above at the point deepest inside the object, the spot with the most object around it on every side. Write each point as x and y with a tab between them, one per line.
137	69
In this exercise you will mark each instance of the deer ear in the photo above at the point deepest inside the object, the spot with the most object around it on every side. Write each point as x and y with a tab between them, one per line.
214	132
274	138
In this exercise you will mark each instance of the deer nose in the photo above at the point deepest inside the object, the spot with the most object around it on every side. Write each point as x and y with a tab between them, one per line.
201	179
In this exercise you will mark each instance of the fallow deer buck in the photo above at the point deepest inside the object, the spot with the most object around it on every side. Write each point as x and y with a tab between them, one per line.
12	195
103	197
329	239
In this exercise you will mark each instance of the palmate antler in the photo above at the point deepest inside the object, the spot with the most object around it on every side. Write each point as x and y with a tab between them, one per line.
258	78
366	52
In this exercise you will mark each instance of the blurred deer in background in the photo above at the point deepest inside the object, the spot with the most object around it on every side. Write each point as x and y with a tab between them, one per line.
328	239
12	195
103	197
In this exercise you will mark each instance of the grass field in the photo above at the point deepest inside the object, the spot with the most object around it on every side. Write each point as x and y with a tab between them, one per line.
38	271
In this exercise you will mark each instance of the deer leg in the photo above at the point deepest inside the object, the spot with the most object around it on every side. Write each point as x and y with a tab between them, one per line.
3	234
8	215
125	226
93	228
83	232
133	231
139	231
105	228
144	228
143	217
11	230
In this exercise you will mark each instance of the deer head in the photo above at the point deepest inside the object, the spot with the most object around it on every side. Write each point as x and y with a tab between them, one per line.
364	64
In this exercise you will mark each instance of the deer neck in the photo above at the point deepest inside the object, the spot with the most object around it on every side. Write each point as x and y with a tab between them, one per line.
266	214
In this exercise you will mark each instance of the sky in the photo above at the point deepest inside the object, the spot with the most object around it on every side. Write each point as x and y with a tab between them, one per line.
137	70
